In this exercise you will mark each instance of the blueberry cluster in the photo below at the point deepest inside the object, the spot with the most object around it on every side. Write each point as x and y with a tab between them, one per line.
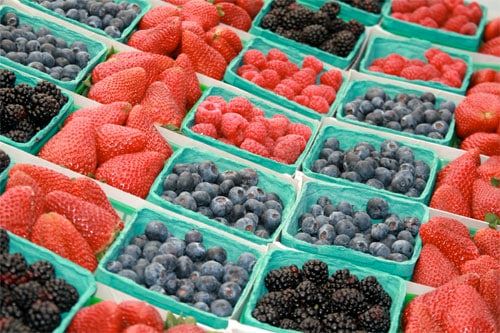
230	197
322	28
309	300
40	49
408	113
372	6
394	168
4	160
184	269
107	15
328	224
32	299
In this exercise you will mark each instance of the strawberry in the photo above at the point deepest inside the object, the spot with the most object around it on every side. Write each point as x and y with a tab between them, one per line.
221	45
185	328
480	266
488	242
230	37
201	12
193	91
451	225
20	178
252	7
433	268
160	100
491	47
481	76
156	16
74	147
487	143
17	210
94	223
492	29
46	179
194	27
234	16
128	85
114	113
477	113
136	312
490	169
56	233
450	199
140	328
90	191
205	59
485	87
103	317
485	199
417	318
488	288
132	173
113	140
175	79
161	39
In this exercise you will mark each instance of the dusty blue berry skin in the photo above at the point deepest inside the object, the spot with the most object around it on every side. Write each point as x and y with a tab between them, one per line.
403	247
114	266
377	208
221	308
156	230
196	251
379	231
379	249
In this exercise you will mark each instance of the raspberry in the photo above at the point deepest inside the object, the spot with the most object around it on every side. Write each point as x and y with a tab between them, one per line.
438	13
256	58
428	22
401	16
219	101
453	78
302	100
275	54
322	90
441	59
284	91
332	78
300	129
281	67
420	14
269	143
415	4
376	69
305	77
205	129
242	106
431	72
468	29
256	131
256	112
226	141
455	23
312	62
378	62
272	78
208	112
460	66
295	86
393	67
319	104
255	147
259	80
288	148
249	75
277	126
413	73
416	62
401	6
233	124
475	12
246	68
450	4
460	10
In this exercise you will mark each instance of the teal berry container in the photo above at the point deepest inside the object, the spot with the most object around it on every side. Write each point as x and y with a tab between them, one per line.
363	16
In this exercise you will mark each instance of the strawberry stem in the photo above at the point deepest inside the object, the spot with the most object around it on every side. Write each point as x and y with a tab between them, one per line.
492	219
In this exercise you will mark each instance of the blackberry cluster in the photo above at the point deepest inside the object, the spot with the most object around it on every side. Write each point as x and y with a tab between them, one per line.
322	28
25	110
372	6
308	300
31	298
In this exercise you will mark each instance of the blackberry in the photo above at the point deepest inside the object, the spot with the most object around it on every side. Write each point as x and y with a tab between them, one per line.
283	278
7	79
282	3
272	299
295	35
43	109
339	322
297	18
311	325
349	300
302	313
11	115
46	87
315	34
18	136
267	314
336	25
288	324
355	27
315	271
43	316
373	292
331	9
61	294
375	319
11	325
343	279
270	22
372	6
7	96
41	271
278	12
289	298
10	309
27	127
23	94
4	237
308	292
321	18
344	42
26	294
12	269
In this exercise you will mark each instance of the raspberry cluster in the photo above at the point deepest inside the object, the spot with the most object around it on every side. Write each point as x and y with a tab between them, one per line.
239	123
455	16
308	86
440	67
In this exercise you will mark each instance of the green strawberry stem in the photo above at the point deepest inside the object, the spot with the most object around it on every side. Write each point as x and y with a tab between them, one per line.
492	219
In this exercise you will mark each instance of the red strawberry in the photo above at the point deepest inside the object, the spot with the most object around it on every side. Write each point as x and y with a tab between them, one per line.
20	178
161	39
194	27
482	75
128	85
164	109
132	173
480	266
433	268
90	191
488	288
417	318
234	16
488	242
46	179
252	7
103	317
492	29
221	45
451	225
156	16
140	328
205	129
175	79
193	91
74	147
114	113
477	113
202	12
185	328
205	59
491	47
231	37
450	199
485	87
487	143
136	312
56	233
490	169
17	210
114	140
485	199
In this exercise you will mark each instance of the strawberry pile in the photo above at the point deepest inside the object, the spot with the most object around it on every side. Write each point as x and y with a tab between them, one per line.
491	38
238	122
115	143
449	15
129	317
71	217
466	188
191	29
440	67
481	76
275	72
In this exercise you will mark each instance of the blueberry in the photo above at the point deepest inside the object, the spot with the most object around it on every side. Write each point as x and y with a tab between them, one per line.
149	252
350	160
342	240
221	308
431	116
402	181
316	210
365	170
230	175
193	235
184	267
82	59
79	46
10	19
186	200
212	268
327	233
261	232
377	208
169	261
336	216
379	231
156	231
390	115
449	105
247	261
185	293
173	246
419	115
331	171
305	237
332	143
205	211
352	176
236	274
114	266
350	108
217	253
32	46
362	221
440	126
336	158
423	129
237	195
359	244
445	115
389	163
129	274
388	240
325	152
249	177
127	260
379	249
207	283
408	121
196	251
204	297
226	186
133	250
222	220
171	286
271	219
245	224
139	269
329	209
345	227
71	71
407	236
345	208
127	16
405	155
310	226
155	273
230	291
61	62
419	184
375	118
435	135
407	167
208	171
403	247
394	224
378	102
273	204
256	193
236	213
374	92
254	206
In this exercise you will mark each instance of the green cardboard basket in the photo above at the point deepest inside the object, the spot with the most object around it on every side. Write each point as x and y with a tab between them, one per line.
359	87
37	141
96	49
381	47
143	4
358	197
75	275
360	15
348	139
260	44
275	259
178	228
434	35
268	111
266	182
336	61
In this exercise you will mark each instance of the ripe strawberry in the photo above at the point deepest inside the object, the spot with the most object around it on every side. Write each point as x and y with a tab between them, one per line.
332	78
255	58
319	104
73	147
487	88
56	233
482	76
450	199
312	62
487	143
95	224
276	54
46	179
20	178
114	113
161	39
230	37
417	318
205	59
156	16
233	124
220	45
17	210
175	79
185	328
451	225
492	29
488	242
202	12
490	169
160	100
140	328
289	147
114	140
433	268
488	289
132	173
256	131
128	85
194	27
193	91
252	7
136	312
255	147
90	191
299	129
101	317
234	16
491	47
322	90
480	265
205	129
485	199
208	113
